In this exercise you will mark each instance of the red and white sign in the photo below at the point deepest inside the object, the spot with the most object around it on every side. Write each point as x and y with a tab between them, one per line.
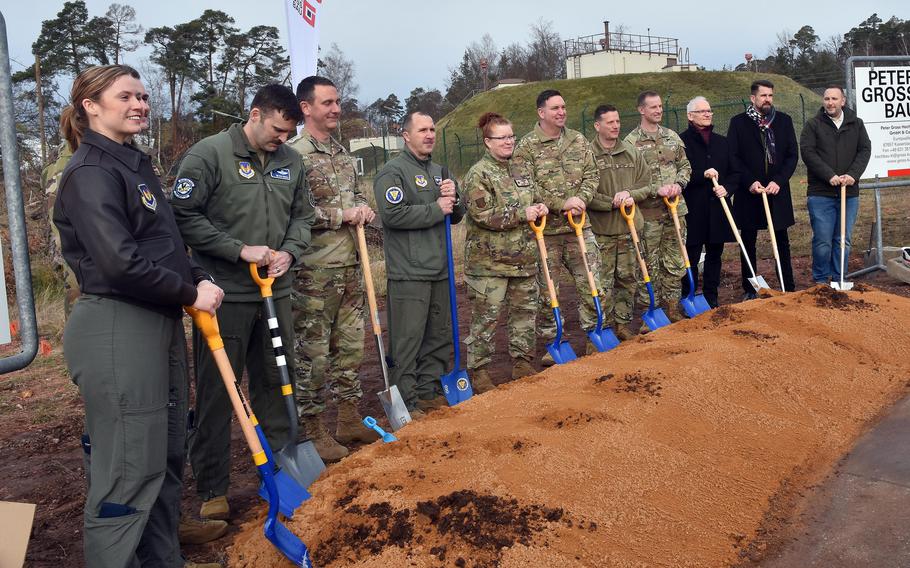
883	102
303	37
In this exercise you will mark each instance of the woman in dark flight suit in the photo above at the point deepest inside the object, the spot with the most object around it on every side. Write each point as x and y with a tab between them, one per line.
124	343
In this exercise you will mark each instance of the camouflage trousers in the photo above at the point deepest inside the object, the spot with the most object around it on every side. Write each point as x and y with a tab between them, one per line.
666	266
328	330
488	296
620	275
565	256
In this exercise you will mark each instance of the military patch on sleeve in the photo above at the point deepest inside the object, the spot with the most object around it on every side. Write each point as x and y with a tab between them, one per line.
147	197
394	195
522	182
281	173
183	188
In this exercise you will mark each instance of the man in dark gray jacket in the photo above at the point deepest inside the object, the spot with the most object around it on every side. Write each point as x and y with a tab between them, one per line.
836	150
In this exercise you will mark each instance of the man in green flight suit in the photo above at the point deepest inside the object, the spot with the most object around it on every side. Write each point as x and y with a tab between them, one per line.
562	165
665	155
623	176
328	289
241	197
413	196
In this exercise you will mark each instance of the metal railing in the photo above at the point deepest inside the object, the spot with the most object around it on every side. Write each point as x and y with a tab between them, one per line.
12	184
617	41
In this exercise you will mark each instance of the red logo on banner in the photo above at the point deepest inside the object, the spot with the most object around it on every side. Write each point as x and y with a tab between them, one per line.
307	11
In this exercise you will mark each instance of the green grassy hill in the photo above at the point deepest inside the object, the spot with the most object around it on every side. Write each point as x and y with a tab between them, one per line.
726	90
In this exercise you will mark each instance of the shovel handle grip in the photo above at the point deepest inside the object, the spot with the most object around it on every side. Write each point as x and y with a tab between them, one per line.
629	214
208	325
539	226
265	284
577	226
672	203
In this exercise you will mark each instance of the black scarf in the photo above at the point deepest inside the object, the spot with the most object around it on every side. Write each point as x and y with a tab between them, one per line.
764	125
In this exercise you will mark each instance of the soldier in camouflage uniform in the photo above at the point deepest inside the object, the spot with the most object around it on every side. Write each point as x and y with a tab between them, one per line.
665	155
623	176
562	167
328	289
500	259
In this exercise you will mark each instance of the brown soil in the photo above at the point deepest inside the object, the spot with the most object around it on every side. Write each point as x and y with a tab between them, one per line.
41	421
694	450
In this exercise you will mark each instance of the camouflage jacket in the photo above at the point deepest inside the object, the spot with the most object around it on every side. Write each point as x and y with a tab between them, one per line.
665	155
499	241
561	168
621	169
331	174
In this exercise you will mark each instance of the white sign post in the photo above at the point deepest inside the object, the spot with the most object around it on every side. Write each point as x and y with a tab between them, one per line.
883	102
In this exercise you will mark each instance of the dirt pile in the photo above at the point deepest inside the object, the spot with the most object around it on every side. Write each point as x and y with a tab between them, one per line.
691	446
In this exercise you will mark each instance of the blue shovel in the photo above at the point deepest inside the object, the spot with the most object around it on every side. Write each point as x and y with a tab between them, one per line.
455	385
692	304
601	337
279	535
653	317
559	350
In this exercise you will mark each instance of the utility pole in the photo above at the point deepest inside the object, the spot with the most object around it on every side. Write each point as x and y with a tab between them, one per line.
40	98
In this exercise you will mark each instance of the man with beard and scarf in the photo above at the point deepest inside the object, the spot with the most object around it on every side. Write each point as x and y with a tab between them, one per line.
763	147
709	155
836	150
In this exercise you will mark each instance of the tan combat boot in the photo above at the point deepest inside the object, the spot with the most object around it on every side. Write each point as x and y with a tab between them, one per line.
194	531
216	508
673	313
481	381
350	427
326	446
427	405
522	368
547	360
624	331
590	349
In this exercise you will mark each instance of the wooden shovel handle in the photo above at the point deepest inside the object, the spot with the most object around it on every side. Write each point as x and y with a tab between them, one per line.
368	280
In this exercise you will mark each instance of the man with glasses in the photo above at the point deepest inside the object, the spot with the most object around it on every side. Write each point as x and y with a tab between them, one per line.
763	146
708	228
665	155
562	166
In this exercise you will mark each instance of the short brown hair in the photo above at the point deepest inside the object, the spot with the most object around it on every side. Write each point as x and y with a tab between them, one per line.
642	96
88	85
490	119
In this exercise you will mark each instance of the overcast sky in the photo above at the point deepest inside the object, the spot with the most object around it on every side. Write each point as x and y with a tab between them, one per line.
397	45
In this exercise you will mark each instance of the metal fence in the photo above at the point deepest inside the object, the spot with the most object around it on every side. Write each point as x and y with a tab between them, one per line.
460	148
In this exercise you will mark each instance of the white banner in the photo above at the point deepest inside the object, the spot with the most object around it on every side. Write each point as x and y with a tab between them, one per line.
303	37
883	102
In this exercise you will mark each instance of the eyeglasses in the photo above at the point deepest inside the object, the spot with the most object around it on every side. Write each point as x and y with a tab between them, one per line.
702	112
509	137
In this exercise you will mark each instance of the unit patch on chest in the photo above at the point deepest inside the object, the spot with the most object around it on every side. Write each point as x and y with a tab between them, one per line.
281	173
246	170
438	180
147	197
420	180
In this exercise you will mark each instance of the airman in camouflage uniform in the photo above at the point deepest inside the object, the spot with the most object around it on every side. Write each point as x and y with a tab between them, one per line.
665	155
623	175
500	259
562	167
328	289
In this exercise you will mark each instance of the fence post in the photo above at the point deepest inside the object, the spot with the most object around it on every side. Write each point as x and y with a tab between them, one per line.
445	149
458	138
802	102
584	121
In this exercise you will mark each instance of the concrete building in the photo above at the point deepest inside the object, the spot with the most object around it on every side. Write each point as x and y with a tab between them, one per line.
615	53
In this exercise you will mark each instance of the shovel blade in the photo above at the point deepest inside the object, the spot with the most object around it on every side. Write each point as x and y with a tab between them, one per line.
603	339
292	493
456	386
301	462
842	286
287	543
655	318
758	283
561	352
694	305
395	409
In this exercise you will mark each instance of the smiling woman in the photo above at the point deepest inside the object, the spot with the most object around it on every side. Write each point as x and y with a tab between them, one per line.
124	343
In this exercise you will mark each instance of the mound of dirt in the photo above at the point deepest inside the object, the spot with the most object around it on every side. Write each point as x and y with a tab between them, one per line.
692	446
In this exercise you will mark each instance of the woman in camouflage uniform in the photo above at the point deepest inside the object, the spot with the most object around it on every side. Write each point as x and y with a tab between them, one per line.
500	254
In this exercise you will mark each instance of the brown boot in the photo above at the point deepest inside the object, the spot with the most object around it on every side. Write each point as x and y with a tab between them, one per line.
590	349
481	381
427	405
216	508
522	368
644	329
327	448
547	360
417	414
624	332
350	425
193	531
673	313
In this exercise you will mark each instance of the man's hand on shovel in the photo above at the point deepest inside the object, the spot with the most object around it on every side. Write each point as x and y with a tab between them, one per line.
208	297
719	190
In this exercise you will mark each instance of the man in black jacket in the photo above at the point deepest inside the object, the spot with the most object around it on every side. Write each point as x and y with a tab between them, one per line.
836	150
763	146
709	155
